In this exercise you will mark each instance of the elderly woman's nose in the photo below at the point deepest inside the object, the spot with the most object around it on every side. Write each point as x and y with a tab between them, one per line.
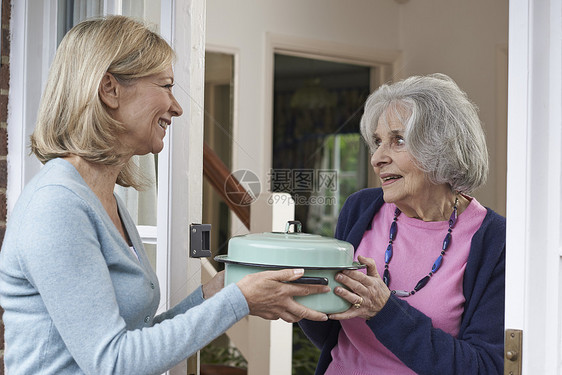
380	157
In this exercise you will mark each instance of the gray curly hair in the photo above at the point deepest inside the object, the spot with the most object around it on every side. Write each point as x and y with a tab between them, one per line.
443	132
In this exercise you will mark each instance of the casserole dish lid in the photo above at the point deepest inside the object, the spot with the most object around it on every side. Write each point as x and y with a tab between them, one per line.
290	249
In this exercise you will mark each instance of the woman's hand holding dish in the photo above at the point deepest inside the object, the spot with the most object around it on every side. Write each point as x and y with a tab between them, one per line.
367	292
270	296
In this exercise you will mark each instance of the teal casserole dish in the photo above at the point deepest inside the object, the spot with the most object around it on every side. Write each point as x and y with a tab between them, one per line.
320	257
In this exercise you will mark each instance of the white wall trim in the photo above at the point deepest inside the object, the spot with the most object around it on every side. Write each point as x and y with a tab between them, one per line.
553	82
163	217
330	51
533	263
16	100
186	160
517	167
235	52
31	54
501	73
235	223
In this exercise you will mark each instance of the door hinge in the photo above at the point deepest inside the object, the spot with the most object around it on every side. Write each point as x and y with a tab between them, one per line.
513	352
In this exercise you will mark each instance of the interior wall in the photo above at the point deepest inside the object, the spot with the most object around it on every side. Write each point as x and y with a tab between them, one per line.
456	37
467	40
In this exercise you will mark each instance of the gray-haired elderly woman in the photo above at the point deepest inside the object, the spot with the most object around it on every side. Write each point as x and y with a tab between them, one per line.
432	298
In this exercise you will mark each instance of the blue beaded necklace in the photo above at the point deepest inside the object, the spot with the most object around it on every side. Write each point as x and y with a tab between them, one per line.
436	264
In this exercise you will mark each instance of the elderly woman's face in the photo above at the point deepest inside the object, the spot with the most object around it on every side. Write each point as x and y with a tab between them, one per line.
402	181
146	108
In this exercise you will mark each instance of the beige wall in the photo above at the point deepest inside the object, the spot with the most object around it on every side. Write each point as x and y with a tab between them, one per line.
457	37
467	40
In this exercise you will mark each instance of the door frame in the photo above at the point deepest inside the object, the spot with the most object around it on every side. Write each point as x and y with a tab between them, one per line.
533	245
385	66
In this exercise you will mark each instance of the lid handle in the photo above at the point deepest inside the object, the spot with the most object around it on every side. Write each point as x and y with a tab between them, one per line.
297	226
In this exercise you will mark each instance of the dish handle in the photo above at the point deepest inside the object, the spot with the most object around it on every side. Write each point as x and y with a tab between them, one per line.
311	280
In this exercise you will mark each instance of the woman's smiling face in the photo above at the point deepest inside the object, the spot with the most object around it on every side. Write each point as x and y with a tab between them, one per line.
146	108
403	183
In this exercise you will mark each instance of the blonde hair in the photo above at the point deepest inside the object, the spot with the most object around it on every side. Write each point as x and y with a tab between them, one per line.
72	119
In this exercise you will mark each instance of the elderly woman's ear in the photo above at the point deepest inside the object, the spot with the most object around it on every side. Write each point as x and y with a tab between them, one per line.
109	91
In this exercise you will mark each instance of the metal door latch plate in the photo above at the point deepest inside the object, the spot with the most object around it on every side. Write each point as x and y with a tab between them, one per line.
199	240
513	352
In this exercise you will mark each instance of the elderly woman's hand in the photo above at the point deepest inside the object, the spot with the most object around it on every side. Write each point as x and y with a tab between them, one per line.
367	292
270	296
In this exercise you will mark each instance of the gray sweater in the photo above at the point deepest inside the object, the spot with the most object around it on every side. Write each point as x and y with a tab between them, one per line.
77	300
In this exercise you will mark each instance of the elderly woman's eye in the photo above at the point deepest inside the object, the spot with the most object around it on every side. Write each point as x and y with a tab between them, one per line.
400	141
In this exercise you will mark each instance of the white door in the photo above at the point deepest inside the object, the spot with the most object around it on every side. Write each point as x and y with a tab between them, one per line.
534	225
163	214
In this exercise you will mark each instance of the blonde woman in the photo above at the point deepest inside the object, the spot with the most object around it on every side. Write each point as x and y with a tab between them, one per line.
78	292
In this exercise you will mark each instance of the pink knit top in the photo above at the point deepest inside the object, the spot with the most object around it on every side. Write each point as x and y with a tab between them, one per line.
416	247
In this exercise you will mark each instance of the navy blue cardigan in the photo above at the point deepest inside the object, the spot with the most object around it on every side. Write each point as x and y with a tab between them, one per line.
408	333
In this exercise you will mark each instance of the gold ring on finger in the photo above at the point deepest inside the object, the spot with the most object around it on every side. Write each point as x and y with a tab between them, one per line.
358	303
